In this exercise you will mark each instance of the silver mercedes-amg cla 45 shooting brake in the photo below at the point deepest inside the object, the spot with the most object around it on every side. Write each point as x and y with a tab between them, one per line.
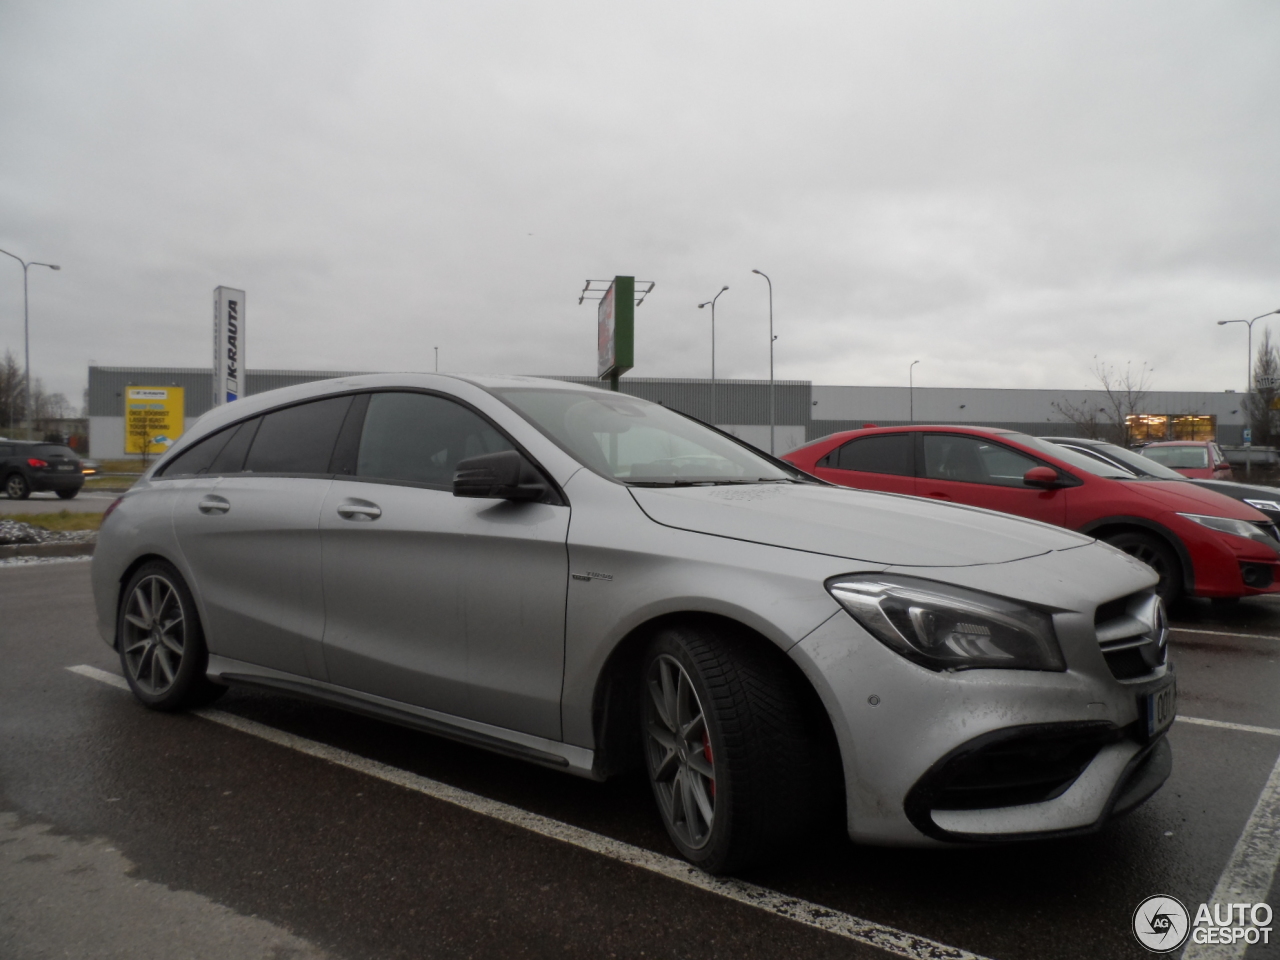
590	581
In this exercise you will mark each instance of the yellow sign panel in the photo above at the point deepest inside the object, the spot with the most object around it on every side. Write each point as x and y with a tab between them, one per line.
153	419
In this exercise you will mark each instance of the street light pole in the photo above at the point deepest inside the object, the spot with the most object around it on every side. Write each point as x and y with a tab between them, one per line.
26	332
712	301
772	404
1248	464
911	392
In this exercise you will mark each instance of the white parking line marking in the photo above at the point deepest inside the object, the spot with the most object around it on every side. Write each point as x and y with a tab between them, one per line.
1223	633
1251	869
1240	727
888	939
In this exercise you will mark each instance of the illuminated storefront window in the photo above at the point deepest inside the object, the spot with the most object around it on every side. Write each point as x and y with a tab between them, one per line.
1145	427
1149	427
1195	427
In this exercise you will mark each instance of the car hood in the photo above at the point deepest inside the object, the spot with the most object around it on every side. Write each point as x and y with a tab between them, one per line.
1238	491
1183	497
880	528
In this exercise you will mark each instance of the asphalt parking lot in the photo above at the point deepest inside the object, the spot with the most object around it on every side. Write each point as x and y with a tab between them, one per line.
274	828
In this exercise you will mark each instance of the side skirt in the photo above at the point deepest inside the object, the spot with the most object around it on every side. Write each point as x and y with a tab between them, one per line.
548	753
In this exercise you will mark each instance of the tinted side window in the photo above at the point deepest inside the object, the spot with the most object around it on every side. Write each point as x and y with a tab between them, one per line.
973	460
198	458
886	454
231	458
298	439
420	438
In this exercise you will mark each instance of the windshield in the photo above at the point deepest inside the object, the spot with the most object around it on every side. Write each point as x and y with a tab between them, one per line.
639	442
1098	468
1134	461
1188	458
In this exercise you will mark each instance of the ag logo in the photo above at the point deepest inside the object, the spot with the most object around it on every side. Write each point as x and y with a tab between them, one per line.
1161	924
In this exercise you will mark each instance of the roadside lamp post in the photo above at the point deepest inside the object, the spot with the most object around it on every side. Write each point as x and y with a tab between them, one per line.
1248	463
772	404
26	332
712	301
911	392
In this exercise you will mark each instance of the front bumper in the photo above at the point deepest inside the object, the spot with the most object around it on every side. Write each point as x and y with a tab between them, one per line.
902	727
1040	781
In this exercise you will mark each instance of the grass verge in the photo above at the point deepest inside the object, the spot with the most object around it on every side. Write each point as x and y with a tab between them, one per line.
62	520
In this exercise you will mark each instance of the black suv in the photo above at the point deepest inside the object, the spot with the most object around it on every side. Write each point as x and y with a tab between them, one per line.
28	466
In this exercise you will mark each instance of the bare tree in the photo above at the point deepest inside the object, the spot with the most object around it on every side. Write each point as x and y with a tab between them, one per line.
1123	395
1261	404
1087	416
53	406
11	391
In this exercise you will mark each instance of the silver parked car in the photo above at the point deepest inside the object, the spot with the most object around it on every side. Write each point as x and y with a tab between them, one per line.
591	581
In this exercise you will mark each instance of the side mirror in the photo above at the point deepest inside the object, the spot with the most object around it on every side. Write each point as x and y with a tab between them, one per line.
1044	477
498	476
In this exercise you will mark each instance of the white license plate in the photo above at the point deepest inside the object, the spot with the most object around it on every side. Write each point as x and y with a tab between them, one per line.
65	466
1162	707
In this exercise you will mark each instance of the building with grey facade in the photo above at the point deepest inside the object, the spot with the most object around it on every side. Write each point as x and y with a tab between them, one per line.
803	411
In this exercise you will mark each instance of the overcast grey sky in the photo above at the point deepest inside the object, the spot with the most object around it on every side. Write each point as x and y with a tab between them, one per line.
1000	190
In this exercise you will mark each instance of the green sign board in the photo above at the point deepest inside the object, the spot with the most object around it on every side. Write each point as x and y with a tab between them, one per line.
615	329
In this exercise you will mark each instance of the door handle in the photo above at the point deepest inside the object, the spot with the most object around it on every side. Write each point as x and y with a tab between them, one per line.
359	510
214	505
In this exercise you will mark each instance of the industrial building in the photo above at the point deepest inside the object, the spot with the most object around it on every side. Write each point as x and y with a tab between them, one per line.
803	410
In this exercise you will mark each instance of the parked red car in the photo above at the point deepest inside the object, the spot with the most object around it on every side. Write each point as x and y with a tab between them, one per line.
1197	459
1199	542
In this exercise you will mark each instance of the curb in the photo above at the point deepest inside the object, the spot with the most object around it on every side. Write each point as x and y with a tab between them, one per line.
83	548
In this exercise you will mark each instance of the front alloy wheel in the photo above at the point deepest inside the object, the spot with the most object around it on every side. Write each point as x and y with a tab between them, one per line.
161	644
678	746
153	641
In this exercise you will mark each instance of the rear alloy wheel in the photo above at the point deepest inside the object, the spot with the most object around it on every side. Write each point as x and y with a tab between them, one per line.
161	644
1157	555
16	487
731	761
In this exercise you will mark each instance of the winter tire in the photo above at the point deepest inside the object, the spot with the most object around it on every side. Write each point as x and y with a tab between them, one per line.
1157	555
731	762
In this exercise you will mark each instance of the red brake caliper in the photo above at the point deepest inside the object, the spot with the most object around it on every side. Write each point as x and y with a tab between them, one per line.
706	752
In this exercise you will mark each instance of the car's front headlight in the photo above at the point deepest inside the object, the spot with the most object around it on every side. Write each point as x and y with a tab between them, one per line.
1240	528
949	628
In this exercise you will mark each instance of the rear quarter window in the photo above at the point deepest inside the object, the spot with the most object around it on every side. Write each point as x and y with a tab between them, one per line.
298	439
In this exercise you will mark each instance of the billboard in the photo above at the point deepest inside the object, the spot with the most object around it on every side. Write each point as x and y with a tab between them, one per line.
615	328
153	419
228	345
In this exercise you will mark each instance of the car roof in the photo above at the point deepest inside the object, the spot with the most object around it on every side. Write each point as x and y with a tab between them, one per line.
1178	443
1085	440
913	427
